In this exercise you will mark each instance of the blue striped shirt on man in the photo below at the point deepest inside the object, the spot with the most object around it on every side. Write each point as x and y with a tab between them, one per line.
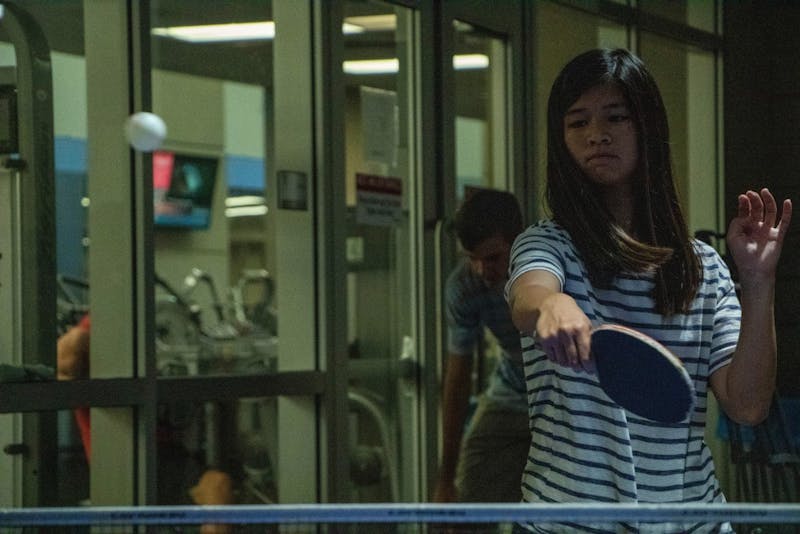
470	307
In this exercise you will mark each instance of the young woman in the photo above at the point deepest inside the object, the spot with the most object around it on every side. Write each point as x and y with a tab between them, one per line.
617	250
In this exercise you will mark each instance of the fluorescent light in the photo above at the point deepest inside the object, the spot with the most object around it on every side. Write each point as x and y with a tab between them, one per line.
244	200
372	66
246	211
238	31
392	65
470	61
348	28
373	23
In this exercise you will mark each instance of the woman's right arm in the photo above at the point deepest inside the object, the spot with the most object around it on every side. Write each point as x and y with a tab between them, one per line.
562	329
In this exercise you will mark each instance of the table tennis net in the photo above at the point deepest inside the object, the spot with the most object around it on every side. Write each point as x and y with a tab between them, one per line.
405	518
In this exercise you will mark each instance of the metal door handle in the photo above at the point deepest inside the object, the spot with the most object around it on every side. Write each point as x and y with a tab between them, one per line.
16	448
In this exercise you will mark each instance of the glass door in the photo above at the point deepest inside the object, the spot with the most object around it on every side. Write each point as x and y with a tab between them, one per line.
381	187
421	128
482	98
234	208
483	146
181	245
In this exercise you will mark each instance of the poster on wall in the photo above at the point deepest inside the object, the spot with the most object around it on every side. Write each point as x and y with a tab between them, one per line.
379	200
379	125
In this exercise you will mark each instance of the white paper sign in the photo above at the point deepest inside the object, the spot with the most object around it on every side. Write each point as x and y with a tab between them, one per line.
379	125
379	200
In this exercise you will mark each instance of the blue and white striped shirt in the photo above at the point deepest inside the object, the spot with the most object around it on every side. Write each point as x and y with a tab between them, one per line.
585	447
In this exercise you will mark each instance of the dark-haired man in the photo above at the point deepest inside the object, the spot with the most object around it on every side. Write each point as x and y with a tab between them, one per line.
483	464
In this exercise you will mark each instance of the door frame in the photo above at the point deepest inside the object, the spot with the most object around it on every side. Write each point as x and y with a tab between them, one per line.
438	154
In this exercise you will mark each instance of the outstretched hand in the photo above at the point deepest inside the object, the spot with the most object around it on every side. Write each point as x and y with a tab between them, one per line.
755	236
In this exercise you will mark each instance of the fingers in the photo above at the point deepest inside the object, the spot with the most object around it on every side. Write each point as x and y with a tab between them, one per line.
771	213
584	346
770	207
756	206
761	207
570	348
786	218
564	332
744	206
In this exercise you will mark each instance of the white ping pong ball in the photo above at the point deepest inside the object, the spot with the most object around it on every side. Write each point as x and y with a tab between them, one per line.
145	131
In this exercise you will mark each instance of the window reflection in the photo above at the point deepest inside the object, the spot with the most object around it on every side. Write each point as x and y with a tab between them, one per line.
214	258
217	452
381	188
480	128
214	245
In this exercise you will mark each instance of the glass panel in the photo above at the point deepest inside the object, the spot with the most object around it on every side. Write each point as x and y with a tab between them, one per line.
218	452
481	112
57	474
687	80
561	34
481	141
67	477
380	186
699	14
214	237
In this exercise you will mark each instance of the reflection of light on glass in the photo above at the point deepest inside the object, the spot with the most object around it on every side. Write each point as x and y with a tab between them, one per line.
470	61
392	65
246	211
238	31
349	29
242	31
245	206
244	200
372	66
373	23
461	26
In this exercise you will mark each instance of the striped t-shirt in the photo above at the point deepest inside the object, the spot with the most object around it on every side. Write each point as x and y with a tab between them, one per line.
584	447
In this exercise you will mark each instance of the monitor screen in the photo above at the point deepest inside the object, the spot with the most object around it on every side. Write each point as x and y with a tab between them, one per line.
183	189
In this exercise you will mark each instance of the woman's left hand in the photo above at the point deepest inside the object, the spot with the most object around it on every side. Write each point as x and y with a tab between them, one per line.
755	236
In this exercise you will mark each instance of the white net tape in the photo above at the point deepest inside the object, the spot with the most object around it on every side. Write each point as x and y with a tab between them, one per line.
787	513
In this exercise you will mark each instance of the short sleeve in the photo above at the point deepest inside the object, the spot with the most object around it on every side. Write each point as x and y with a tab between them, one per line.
537	248
463	322
727	317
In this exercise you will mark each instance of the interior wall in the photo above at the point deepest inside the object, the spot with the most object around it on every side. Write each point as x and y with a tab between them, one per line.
176	98
762	141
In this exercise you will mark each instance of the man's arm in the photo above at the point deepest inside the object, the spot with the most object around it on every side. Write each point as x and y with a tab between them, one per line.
72	362
455	401
73	354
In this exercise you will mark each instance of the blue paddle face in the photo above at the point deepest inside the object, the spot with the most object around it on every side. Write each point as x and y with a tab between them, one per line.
641	375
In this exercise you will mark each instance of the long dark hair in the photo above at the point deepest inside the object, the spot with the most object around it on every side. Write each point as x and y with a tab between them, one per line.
662	243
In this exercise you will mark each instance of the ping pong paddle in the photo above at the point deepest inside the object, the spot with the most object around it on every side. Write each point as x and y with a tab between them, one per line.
641	375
